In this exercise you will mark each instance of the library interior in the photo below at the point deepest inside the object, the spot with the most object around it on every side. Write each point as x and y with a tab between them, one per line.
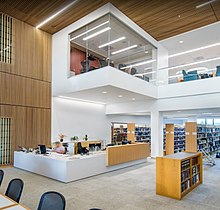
116	101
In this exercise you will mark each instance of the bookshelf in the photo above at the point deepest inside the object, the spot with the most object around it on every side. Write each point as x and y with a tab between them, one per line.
191	137
178	174
174	139
131	132
209	137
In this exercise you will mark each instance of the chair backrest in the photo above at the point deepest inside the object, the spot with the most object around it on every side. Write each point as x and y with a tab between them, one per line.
1	176
85	65
184	72
52	201
217	71
103	63
14	189
80	148
133	71
193	72
120	66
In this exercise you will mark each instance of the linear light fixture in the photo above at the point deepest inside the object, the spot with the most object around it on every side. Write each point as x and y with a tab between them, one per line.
204	4
148	68
92	29
81	100
96	33
190	64
194	50
56	14
124	49
112	42
139	64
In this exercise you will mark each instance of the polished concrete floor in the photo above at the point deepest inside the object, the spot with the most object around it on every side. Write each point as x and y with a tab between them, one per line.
128	189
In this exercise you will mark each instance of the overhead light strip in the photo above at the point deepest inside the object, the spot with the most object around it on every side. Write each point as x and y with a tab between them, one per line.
194	50
112	42
124	49
204	4
92	29
190	64
138	64
96	33
56	14
81	100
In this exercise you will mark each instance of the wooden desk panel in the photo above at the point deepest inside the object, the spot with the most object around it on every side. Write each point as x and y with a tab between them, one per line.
126	153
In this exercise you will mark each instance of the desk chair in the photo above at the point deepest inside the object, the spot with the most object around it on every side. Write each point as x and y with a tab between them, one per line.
52	201
14	189
189	76
81	150
85	66
103	63
1	176
121	65
133	71
217	71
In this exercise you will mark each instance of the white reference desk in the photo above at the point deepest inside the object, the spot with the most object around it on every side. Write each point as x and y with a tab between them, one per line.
67	169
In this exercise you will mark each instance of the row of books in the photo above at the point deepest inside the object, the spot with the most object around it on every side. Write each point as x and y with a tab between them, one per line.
194	161
195	170
185	175
185	185
185	164
195	179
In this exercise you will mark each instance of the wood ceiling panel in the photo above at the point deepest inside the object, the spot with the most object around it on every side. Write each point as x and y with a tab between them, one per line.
158	17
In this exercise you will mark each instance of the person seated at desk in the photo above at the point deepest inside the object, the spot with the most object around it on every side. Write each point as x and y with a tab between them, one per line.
59	148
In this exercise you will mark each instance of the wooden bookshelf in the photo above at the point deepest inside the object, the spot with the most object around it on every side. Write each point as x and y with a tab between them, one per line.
191	137
178	174
169	139
131	132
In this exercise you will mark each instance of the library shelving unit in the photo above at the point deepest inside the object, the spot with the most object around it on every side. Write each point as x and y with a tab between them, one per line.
174	139
142	133
131	132
178	174
191	137
208	137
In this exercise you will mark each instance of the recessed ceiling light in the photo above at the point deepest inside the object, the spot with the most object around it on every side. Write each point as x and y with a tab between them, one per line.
133	99
179	16
54	15
146	52
104	92
181	42
179	111
120	96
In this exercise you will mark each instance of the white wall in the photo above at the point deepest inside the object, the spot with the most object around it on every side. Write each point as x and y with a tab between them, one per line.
75	118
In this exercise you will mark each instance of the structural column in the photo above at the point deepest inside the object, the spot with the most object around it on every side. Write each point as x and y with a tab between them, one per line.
156	133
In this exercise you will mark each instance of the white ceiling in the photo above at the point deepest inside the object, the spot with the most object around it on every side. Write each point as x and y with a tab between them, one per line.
112	96
198	113
194	39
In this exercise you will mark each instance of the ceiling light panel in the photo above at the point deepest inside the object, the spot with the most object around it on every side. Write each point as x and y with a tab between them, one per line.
97	33
124	49
112	42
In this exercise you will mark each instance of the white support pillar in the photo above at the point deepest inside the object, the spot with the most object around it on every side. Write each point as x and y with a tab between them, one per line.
156	133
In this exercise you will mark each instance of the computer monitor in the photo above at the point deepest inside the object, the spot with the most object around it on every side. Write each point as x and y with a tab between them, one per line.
42	149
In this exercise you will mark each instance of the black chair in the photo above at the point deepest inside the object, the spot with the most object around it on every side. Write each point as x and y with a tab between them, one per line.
85	66
121	66
1	176
133	71
81	150
52	201
14	190
103	63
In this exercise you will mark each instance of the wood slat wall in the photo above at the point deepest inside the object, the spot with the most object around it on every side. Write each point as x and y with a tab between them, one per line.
25	86
161	19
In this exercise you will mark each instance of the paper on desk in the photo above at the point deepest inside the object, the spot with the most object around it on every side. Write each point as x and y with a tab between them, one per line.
17	207
4	202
